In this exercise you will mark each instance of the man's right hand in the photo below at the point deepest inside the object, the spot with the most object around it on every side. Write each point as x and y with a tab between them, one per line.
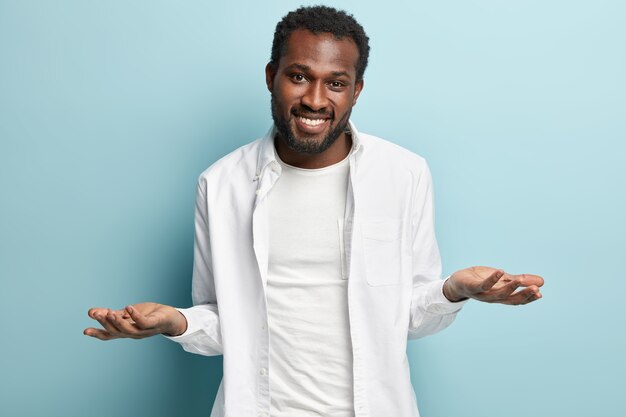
137	322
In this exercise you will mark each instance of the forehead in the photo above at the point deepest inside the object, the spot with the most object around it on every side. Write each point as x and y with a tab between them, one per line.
320	52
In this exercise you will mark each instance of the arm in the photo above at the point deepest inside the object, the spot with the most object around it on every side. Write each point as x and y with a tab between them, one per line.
434	303
430	310
196	328
203	335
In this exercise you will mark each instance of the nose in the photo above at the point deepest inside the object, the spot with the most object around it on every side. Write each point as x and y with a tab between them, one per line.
315	96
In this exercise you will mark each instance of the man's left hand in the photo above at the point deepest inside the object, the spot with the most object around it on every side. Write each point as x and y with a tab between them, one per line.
492	286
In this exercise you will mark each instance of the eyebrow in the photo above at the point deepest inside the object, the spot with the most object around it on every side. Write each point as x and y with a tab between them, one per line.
301	67
307	68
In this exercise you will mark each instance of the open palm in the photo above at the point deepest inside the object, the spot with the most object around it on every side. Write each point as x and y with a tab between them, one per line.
493	285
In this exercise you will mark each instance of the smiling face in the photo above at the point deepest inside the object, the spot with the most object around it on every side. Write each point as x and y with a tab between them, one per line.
313	90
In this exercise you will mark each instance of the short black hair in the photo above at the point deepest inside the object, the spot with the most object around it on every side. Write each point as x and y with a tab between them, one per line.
321	19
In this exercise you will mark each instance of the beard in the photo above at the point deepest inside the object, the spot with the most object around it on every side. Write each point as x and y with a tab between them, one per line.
306	144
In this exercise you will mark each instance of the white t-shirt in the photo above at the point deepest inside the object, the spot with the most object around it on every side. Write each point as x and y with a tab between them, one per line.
310	347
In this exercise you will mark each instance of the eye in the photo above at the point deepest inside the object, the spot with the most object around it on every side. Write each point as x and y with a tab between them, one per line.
336	85
298	78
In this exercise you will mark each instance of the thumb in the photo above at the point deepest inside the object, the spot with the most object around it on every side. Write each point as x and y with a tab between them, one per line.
140	320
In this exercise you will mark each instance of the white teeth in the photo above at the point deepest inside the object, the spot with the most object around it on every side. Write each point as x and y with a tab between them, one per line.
312	122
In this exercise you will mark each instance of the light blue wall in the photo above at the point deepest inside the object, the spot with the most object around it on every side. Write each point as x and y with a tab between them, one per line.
110	109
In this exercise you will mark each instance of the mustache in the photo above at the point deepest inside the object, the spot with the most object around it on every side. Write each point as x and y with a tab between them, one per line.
303	111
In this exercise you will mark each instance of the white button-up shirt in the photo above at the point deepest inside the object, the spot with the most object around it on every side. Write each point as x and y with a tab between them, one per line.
391	260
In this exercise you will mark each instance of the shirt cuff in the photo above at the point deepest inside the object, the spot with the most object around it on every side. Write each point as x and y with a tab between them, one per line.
437	303
192	325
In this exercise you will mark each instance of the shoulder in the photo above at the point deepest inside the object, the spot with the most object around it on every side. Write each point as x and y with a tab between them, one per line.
240	163
381	152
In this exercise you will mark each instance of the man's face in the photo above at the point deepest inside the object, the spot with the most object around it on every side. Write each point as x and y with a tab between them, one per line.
313	90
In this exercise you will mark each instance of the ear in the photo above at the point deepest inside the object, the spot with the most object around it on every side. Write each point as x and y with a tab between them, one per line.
270	74
358	87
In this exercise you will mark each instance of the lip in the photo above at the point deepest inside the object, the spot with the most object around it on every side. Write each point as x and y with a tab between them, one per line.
311	129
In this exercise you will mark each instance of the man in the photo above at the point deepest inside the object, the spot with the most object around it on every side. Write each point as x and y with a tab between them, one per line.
315	254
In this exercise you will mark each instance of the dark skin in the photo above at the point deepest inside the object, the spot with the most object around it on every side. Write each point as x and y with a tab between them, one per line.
316	80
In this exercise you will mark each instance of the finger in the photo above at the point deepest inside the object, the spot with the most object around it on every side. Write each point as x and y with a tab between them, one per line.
98	334
500	294
128	328
524	296
509	288
527	280
97	311
531	297
124	327
104	322
141	321
491	280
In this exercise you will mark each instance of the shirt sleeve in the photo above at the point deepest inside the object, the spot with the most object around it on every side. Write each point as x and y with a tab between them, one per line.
203	334
431	311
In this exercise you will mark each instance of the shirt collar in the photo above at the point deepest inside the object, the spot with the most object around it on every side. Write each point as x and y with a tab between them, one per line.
267	154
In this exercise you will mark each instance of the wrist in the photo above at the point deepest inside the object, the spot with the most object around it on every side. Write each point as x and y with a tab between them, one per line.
451	293
177	325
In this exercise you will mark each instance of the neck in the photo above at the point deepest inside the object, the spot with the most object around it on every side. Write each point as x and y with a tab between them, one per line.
337	152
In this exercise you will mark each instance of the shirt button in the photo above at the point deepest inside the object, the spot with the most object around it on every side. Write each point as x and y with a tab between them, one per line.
263	371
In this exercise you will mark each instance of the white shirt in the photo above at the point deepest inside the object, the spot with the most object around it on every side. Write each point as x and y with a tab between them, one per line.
307	294
392	264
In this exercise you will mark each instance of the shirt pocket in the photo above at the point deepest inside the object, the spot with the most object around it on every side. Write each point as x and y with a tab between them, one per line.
382	247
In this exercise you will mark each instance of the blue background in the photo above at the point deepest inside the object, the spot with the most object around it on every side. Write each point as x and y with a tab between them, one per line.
109	110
